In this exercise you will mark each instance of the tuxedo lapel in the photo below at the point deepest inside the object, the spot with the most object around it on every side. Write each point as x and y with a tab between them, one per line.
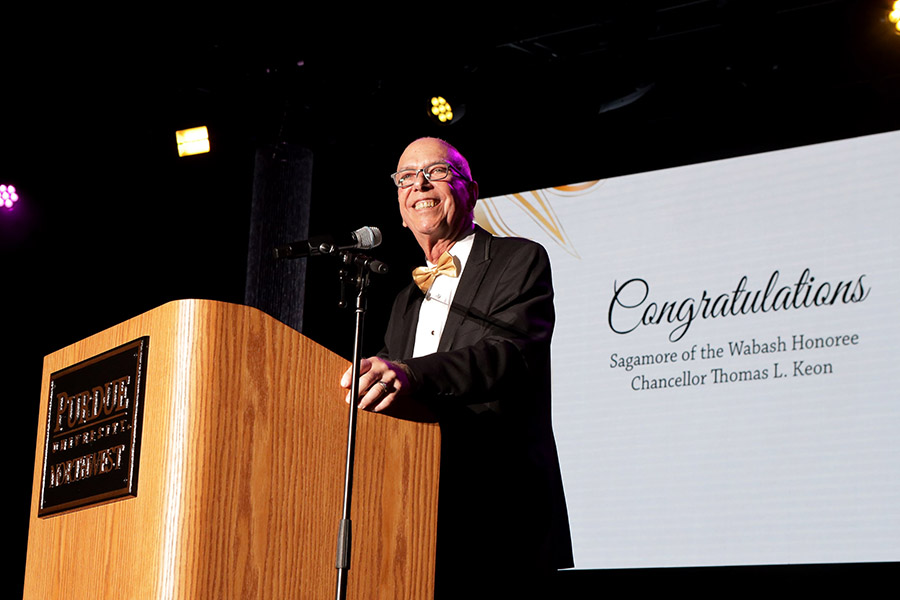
476	266
410	320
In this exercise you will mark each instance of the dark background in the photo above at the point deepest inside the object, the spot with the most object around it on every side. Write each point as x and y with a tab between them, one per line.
112	223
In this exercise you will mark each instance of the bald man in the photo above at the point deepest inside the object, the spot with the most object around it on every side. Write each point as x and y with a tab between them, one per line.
469	341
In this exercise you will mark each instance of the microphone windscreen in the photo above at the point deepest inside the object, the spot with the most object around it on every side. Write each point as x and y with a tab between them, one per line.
367	237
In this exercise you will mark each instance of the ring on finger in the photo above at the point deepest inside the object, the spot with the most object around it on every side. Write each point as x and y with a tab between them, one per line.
384	388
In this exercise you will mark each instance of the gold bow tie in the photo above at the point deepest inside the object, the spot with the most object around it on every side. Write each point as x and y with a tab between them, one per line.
446	265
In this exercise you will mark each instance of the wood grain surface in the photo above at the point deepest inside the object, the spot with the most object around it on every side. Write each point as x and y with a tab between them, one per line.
241	475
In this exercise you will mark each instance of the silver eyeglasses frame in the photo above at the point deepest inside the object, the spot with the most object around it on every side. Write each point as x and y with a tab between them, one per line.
414	174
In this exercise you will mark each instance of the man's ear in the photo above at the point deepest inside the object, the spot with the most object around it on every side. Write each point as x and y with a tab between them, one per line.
473	195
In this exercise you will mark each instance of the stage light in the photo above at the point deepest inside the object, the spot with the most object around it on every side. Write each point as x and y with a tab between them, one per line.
441	109
894	17
8	196
192	141
443	113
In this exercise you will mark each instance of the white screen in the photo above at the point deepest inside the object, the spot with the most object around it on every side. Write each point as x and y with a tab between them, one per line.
786	452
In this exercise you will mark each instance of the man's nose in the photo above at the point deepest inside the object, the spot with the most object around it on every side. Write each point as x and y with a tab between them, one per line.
421	181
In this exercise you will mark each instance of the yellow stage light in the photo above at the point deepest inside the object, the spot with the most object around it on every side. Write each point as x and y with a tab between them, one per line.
444	112
441	110
192	141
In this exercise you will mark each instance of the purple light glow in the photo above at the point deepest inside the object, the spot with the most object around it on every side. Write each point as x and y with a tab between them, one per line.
8	196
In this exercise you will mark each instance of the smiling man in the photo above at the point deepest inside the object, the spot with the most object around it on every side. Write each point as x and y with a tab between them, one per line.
469	341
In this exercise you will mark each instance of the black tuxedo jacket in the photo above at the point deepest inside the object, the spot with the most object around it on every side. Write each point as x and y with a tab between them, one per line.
501	498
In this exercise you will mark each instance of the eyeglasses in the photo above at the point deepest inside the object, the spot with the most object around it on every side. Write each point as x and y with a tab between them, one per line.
433	172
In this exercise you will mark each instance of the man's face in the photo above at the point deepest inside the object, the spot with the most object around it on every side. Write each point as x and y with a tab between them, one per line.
439	210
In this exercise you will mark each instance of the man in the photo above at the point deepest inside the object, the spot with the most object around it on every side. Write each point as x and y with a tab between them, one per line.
472	345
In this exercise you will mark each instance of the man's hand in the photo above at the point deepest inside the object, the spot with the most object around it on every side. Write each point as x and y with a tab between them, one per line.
382	384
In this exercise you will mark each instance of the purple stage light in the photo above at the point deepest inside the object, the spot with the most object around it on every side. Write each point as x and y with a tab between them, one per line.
8	196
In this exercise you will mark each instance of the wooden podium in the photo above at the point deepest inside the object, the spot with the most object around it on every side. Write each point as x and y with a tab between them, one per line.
239	482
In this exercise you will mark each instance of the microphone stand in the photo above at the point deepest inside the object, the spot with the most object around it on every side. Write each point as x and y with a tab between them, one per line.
364	265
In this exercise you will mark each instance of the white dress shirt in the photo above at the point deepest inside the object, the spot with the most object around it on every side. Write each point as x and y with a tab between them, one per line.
436	305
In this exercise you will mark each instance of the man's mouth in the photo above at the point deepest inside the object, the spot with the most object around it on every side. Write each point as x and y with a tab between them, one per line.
421	204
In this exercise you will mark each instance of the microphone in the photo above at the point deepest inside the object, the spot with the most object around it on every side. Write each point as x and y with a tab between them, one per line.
367	262
362	239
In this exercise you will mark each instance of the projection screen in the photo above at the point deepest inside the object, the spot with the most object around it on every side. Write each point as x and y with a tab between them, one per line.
725	370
